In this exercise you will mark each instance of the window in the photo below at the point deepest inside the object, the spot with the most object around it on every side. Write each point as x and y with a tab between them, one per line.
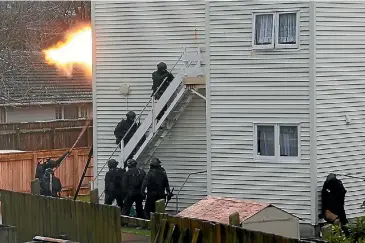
83	112
278	140
276	30
70	112
59	113
2	115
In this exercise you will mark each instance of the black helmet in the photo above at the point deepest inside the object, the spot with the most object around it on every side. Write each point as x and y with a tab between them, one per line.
162	66
112	163
155	162
131	115
131	163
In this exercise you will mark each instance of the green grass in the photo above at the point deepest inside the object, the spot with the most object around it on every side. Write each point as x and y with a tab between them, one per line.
132	230
85	198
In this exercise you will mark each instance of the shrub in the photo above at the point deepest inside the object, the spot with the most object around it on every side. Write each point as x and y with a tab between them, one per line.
357	233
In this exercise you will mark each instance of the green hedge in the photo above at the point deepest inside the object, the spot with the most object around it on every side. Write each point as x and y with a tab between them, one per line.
357	233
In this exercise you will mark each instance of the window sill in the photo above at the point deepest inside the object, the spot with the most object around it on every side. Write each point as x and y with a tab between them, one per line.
282	49
281	160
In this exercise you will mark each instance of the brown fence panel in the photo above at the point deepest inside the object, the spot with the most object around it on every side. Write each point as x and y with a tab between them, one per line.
45	216
17	170
167	228
34	136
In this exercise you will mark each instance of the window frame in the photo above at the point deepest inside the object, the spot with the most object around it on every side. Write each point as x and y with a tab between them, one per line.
287	46
275	31
263	47
3	112
86	110
277	156
61	109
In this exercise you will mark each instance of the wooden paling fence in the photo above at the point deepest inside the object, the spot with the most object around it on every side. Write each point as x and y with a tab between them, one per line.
17	170
32	136
173	229
83	222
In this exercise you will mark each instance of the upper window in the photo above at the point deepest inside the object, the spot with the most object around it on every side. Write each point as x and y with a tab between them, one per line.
2	115
59	113
274	141
83	112
276	30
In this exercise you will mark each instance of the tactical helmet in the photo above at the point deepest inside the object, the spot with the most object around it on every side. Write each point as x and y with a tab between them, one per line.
155	162
131	115
112	163
161	66
131	163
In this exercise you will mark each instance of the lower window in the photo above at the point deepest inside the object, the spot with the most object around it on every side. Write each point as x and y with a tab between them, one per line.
277	140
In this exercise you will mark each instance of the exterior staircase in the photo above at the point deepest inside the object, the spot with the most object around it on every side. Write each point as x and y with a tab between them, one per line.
177	97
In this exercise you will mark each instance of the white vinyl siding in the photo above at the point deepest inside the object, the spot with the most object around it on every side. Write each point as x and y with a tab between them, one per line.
340	92
132	37
250	87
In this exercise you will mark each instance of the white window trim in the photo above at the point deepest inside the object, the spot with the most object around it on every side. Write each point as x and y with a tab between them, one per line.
276	157
62	113
275	36
87	111
287	46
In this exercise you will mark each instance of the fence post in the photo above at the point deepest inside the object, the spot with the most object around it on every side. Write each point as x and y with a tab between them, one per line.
53	138
94	195
234	219
35	187
18	138
75	171
160	206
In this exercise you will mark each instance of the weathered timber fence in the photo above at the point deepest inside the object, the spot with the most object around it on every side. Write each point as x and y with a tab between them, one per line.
8	234
46	216
34	136
17	170
167	228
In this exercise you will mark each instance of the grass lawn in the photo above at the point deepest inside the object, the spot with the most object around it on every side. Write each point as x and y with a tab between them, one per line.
85	198
131	230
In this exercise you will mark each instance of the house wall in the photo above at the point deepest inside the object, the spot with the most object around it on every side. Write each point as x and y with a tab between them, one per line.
36	113
30	114
130	39
248	87
340	91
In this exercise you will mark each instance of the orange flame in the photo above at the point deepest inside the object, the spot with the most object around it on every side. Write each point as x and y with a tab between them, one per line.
75	50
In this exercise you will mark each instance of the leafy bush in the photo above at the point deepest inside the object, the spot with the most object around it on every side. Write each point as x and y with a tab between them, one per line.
357	233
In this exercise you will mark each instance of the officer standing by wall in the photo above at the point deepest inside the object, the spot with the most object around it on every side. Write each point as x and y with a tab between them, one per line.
132	183
156	183
113	184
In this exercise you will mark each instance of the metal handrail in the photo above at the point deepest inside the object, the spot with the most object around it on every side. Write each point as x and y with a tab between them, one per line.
138	118
177	195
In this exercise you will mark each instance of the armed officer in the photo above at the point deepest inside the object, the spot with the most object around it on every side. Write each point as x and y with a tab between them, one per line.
132	183
158	78
156	183
113	184
121	130
50	184
49	164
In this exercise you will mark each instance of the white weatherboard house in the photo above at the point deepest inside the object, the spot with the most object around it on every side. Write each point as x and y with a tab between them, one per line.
282	105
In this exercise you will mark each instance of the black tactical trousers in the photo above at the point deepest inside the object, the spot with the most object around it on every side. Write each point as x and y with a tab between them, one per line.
128	202
150	205
109	199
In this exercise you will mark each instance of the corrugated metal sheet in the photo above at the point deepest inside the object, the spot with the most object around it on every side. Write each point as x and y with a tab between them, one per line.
340	92
131	38
251	86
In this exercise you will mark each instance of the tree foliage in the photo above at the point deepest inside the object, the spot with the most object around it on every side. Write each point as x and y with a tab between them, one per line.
357	233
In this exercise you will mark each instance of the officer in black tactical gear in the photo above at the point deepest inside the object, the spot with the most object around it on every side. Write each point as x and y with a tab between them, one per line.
333	201
132	183
113	184
50	184
158	77
156	183
49	164
121	130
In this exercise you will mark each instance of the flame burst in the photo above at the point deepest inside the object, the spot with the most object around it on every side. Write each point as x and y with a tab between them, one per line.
75	50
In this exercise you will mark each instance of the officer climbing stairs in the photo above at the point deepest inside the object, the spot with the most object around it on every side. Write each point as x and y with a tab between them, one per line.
176	97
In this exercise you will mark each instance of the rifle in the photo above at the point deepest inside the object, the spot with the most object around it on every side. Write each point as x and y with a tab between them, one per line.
169	196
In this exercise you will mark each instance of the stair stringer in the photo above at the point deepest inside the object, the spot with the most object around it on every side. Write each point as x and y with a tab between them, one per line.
150	151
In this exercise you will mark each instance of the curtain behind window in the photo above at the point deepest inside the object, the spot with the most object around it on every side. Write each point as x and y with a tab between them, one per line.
287	28
265	141
264	28
288	141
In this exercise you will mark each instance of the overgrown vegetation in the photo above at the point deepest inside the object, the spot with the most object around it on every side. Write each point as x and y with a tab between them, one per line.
357	233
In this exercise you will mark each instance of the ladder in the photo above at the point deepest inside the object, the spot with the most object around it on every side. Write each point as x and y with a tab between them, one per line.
85	174
177	96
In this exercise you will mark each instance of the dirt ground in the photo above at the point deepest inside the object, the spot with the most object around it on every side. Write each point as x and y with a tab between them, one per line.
131	238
